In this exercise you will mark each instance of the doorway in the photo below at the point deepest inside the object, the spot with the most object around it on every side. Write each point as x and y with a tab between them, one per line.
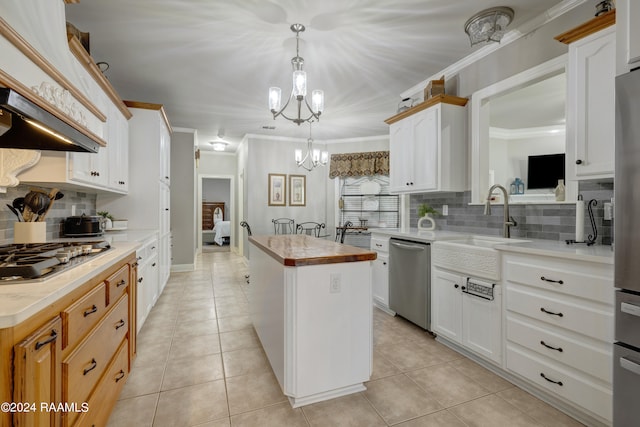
217	191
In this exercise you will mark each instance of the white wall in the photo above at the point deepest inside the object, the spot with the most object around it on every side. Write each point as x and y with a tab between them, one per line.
217	190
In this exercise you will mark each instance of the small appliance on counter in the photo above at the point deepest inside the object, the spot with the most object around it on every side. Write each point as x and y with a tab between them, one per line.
83	226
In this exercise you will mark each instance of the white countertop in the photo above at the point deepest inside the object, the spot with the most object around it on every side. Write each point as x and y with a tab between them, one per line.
20	301
580	252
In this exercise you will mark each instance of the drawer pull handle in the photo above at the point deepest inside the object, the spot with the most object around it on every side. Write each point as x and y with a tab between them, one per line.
153	265
631	309
630	365
550	347
550	380
140	280
121	283
120	324
456	286
90	311
52	337
559	282
378	245
91	368
120	375
551	312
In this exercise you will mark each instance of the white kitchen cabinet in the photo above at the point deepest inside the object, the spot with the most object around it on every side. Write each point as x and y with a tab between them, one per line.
146	205
591	106
472	321
559	329
428	147
380	273
147	285
627	35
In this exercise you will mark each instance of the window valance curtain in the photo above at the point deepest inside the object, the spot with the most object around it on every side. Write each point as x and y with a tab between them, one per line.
359	164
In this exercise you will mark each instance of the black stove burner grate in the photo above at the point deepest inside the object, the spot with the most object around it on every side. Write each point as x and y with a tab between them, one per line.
35	260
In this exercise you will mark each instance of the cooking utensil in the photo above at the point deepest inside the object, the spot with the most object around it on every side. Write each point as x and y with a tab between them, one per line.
15	212
53	195
18	203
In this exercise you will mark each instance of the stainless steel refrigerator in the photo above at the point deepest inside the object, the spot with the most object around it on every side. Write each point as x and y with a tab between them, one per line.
626	351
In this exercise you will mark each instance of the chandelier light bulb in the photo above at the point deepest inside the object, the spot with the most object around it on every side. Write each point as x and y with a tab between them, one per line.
275	98
298	155
316	156
324	159
299	84
317	101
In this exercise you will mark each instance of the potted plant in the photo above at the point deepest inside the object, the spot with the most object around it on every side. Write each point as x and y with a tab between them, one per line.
424	212
108	219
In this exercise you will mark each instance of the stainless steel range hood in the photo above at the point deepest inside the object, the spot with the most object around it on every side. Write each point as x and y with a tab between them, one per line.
23	124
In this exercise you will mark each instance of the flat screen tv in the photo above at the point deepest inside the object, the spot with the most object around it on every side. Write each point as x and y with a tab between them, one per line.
544	171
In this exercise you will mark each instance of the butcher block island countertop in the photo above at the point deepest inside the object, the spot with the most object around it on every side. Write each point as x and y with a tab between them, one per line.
296	250
311	306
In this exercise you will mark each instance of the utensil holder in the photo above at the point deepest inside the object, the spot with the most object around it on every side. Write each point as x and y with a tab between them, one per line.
30	232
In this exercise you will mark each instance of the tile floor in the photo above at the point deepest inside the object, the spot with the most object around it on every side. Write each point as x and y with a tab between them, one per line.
200	363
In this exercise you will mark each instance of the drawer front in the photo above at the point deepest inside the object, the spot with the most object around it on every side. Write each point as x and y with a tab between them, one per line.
594	287
563	313
593	397
379	245
84	314
84	367
593	361
117	284
103	399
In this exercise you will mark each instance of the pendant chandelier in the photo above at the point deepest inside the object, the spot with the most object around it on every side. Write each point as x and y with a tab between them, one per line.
314	156
489	25
298	91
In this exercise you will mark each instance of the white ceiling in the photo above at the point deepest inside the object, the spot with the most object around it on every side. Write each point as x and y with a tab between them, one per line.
210	63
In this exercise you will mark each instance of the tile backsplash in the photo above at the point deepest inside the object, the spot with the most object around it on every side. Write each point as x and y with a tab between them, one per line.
535	221
62	208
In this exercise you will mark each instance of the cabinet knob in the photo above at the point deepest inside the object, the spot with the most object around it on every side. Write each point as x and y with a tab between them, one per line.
456	286
578	162
384	263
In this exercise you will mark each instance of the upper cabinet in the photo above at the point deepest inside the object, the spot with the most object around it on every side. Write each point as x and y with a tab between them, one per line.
591	98
628	35
428	147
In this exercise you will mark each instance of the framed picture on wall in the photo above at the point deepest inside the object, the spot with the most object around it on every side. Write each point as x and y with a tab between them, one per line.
297	190
277	189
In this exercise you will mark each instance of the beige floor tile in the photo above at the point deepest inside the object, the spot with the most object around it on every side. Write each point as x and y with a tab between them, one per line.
236	340
198	293
194	370
250	392
437	419
491	411
399	399
192	405
408	355
152	352
279	415
234	323
352	410
447	385
540	411
222	422
197	314
233	310
482	376
439	349
143	379
386	335
245	362
382	367
194	346
199	327
197	304
134	412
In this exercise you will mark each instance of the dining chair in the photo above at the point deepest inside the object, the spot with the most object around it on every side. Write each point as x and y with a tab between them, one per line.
245	225
283	225
310	228
342	231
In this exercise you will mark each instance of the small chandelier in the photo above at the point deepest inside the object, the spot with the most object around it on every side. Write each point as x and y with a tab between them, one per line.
313	157
219	144
488	25
298	91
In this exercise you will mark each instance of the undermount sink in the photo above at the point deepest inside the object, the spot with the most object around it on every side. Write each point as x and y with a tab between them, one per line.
475	255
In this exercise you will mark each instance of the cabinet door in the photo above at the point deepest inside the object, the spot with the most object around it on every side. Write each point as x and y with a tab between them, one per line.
380	274
633	31
37	374
400	153
91	168
482	325
591	113
424	159
446	304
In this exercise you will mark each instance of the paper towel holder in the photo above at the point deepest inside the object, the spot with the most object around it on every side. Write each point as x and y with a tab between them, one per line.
591	239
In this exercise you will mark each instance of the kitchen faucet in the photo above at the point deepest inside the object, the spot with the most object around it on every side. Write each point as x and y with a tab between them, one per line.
508	221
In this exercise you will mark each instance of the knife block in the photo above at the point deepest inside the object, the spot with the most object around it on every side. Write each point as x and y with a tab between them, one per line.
30	232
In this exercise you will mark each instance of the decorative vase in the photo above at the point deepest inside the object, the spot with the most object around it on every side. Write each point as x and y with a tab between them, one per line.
560	191
427	218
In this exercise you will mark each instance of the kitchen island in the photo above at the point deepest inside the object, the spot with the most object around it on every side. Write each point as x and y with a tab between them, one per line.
311	306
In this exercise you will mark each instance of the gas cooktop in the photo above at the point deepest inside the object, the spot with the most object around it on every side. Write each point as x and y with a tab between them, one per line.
39	261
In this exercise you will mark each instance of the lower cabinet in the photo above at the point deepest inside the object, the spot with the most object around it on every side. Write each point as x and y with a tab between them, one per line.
559	329
148	284
380	273
77	358
466	317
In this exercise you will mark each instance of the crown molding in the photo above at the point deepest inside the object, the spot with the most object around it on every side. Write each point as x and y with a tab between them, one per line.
525	133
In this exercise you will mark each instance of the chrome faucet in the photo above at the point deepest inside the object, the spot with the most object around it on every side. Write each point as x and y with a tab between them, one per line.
508	220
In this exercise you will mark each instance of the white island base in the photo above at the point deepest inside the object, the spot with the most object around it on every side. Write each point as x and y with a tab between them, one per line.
314	323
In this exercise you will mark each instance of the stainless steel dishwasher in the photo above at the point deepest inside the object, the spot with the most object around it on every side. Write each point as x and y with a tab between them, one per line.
410	281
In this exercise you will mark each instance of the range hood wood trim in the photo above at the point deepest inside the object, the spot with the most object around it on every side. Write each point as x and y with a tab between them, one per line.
30	52
10	82
90	65
442	98
592	26
150	106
